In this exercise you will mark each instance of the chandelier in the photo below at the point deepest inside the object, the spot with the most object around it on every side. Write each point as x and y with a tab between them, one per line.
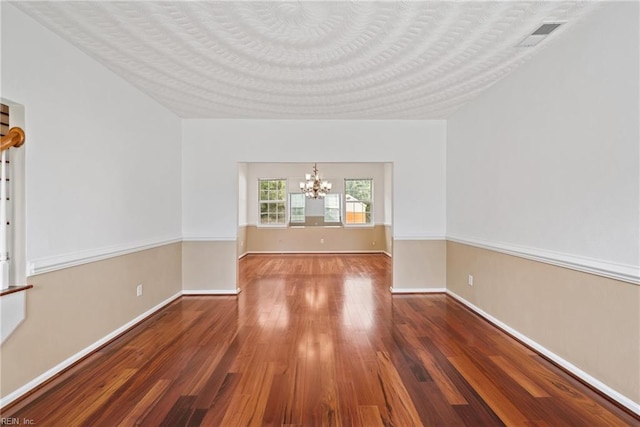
313	188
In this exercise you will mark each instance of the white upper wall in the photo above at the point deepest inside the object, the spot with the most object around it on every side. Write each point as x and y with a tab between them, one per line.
103	159
212	149
548	158
242	193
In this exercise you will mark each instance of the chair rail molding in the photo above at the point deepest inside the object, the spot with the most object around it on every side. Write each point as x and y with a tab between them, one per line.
623	272
48	264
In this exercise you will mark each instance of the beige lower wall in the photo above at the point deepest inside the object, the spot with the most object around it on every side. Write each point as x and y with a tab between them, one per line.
388	239
71	309
591	321
209	266
241	241
419	264
316	239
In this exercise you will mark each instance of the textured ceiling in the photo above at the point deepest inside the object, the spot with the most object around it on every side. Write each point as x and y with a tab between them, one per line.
308	60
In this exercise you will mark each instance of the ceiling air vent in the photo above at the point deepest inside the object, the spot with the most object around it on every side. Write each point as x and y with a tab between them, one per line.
539	34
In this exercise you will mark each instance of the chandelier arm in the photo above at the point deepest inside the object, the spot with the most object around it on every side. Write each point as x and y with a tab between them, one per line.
314	187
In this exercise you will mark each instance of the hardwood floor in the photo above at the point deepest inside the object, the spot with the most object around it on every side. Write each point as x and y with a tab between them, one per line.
316	340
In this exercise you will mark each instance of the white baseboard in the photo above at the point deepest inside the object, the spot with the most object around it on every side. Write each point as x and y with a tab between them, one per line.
201	238
417	290
76	357
603	388
423	237
211	291
375	251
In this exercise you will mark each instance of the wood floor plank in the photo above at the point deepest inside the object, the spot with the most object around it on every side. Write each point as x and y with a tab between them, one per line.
519	376
477	412
403	411
142	407
316	340
369	416
221	400
441	379
95	397
498	401
575	399
248	403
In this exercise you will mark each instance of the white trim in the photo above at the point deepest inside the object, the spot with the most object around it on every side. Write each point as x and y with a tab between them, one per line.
387	254
623	400
13	308
46	265
244	254
195	238
417	290
428	237
188	292
76	357
612	270
355	251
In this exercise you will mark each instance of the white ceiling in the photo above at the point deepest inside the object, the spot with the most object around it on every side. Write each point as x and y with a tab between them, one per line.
308	59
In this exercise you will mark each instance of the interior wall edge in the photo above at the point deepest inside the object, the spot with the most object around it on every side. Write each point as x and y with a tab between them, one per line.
210	266
419	264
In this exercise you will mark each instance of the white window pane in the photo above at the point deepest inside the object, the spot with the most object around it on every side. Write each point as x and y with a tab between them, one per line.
332	208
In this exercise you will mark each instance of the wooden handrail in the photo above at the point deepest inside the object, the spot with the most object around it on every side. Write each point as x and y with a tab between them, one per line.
14	138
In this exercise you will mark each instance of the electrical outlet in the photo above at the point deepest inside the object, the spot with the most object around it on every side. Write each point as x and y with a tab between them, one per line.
373	243
470	280
321	240
139	290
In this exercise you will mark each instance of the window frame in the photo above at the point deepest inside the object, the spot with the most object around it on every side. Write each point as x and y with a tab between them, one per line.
304	210
340	209
285	222
371	202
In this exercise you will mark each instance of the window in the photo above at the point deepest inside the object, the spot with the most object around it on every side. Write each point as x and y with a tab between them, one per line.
332	208
297	207
358	195
272	196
